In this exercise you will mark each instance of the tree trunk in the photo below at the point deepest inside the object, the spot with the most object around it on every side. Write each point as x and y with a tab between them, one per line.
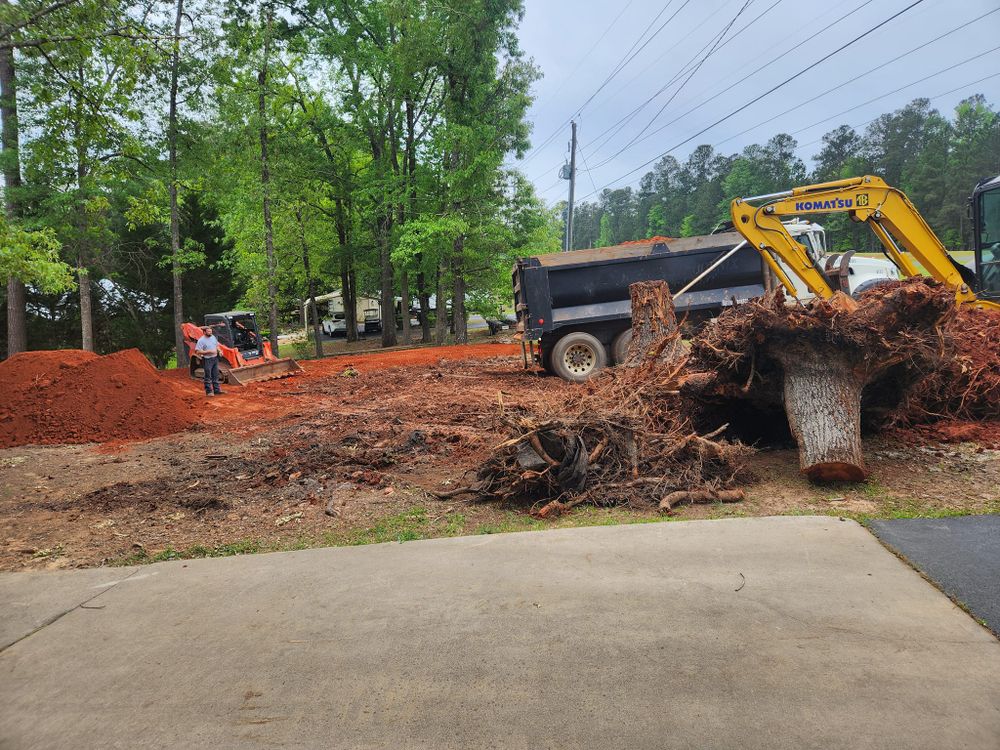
441	307
348	294
404	293
86	310
310	285
265	183
175	223
425	309
17	326
458	299
387	298
822	394
655	334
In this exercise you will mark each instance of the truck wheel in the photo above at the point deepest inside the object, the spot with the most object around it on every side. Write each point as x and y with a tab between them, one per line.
578	356
619	347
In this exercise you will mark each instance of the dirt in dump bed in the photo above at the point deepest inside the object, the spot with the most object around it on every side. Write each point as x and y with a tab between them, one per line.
76	397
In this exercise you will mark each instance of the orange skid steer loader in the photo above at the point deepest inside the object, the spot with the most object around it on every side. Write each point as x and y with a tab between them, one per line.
244	355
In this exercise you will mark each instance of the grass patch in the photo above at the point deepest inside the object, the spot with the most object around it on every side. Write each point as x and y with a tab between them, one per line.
241	547
511	522
408	526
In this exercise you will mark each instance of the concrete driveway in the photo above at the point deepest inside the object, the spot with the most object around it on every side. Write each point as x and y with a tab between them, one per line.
752	633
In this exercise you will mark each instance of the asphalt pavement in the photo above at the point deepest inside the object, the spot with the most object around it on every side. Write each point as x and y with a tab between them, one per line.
960	554
744	633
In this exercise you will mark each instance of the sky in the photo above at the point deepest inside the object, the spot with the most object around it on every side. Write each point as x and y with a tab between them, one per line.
683	50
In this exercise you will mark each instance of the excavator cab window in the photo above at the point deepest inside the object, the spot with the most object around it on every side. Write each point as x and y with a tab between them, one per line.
989	242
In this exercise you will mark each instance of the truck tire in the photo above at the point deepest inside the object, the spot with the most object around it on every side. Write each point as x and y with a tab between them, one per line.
619	346
578	356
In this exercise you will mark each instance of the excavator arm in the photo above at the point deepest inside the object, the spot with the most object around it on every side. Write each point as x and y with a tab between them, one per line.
895	221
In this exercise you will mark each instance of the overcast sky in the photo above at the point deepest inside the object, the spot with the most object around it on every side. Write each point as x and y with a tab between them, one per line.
578	44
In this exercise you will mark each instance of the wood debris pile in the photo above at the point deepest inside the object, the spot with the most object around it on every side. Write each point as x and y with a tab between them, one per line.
964	385
829	363
619	439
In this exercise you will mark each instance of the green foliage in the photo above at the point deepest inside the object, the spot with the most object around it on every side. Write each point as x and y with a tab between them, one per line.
688	226
33	258
389	125
934	159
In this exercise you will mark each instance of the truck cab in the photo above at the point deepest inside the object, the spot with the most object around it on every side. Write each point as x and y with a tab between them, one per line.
852	273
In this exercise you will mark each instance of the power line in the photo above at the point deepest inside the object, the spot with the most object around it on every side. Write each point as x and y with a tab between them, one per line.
623	121
771	90
744	78
587	169
730	39
622	63
862	75
869	122
679	88
595	147
895	91
757	70
587	54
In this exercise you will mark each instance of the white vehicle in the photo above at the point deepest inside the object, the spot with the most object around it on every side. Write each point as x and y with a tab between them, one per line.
337	326
853	273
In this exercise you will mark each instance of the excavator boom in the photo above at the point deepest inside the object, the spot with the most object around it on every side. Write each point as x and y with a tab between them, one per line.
896	222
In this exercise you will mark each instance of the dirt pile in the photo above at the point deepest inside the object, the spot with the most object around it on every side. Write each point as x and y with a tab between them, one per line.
57	397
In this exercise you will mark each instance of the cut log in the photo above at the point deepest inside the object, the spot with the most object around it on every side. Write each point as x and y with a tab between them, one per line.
822	393
655	334
671	501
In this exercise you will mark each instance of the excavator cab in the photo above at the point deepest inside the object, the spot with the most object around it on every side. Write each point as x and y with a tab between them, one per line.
986	222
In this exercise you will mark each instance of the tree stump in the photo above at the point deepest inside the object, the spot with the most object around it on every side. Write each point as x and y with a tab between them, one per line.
816	360
822	397
656	336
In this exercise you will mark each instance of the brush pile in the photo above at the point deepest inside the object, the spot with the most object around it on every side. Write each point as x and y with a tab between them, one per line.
965	385
619	439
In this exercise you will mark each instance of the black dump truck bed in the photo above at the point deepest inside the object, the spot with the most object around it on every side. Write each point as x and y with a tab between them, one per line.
587	291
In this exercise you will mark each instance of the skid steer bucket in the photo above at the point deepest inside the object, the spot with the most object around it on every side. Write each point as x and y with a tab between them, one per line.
277	368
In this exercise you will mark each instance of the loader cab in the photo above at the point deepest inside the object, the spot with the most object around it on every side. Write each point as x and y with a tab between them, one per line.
237	329
986	229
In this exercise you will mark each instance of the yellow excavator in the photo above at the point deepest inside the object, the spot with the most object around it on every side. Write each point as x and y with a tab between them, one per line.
900	228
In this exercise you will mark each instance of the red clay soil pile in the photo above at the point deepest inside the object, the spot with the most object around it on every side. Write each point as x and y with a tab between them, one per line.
57	397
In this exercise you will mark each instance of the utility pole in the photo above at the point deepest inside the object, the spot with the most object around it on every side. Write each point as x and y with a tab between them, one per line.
572	188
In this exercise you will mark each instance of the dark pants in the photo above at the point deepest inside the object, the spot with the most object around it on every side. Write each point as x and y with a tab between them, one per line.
211	366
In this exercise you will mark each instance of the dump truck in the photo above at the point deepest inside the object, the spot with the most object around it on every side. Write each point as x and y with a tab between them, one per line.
244	355
574	310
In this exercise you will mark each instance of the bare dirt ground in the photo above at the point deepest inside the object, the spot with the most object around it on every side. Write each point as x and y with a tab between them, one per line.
346	453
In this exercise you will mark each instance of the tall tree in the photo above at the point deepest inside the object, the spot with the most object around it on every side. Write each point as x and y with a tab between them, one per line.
17	332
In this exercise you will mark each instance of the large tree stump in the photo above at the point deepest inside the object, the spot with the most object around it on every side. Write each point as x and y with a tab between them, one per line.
816	360
656	336
822	397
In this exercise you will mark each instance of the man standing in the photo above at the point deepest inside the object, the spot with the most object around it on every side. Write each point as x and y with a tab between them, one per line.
208	349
